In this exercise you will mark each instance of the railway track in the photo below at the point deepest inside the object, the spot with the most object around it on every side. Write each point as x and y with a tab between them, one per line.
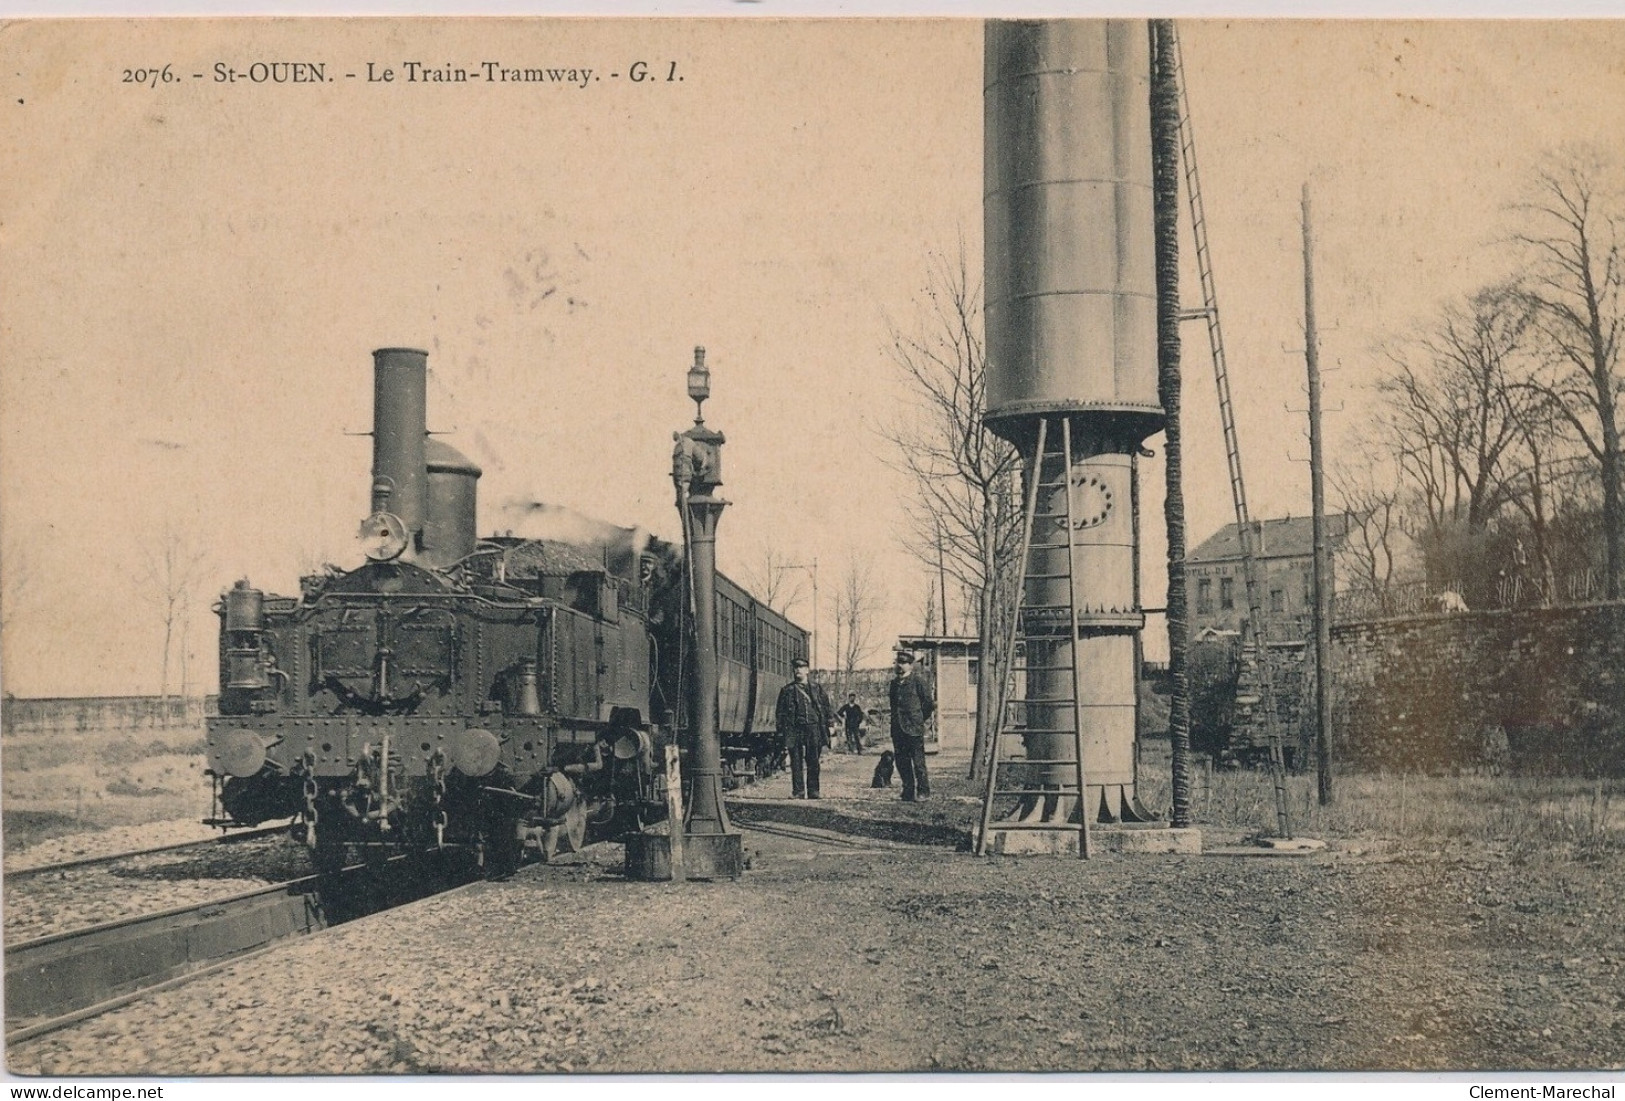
829	837
54	981
834	825
94	891
19	874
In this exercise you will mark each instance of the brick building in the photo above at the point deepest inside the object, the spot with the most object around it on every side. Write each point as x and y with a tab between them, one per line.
1224	680
1217	585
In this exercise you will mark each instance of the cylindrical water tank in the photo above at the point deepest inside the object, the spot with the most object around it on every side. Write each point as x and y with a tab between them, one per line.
1071	309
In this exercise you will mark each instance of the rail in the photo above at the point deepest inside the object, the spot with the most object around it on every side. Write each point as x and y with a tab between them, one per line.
13	875
56	980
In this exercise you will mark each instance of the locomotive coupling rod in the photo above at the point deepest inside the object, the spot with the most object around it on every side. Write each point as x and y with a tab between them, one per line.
509	793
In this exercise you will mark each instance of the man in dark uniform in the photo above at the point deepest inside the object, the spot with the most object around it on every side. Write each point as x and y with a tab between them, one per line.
851	716
803	717
911	709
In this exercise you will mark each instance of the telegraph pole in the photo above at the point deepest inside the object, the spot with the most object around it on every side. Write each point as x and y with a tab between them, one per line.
811	568
942	578
1317	476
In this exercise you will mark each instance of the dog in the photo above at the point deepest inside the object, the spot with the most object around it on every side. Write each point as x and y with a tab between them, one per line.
883	770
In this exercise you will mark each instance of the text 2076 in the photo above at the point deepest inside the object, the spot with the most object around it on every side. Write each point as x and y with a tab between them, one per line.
151	76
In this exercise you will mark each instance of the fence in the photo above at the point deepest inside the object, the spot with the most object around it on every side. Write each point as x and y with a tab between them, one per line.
110	713
1424	597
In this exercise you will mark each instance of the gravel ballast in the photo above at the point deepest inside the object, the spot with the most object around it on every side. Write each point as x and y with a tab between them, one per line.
73	898
826	958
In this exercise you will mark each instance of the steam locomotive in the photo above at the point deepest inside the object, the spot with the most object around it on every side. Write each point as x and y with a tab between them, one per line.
505	696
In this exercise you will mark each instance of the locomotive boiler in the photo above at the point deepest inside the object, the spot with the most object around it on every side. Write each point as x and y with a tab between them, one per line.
504	695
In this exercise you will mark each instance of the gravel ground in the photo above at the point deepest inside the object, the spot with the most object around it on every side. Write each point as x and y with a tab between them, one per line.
107	842
73	898
825	959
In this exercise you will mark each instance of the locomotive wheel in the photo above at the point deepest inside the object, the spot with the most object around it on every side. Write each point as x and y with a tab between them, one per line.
569	836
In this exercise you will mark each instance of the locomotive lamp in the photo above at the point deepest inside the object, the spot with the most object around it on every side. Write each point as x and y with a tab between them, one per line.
711	847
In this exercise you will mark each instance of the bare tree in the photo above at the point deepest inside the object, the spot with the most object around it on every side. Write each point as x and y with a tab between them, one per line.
172	569
1552	475
1575	286
1471	440
772	580
965	478
1369	555
1455	414
857	603
968	600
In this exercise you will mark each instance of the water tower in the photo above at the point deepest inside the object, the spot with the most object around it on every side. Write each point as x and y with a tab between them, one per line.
1071	315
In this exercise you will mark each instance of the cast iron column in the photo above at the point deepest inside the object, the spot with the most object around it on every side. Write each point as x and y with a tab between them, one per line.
711	846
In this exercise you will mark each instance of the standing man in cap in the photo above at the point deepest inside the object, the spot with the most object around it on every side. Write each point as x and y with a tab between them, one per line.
851	716
803	716
911	708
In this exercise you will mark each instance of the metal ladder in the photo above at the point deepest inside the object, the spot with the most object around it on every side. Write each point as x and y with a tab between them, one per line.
998	764
1232	448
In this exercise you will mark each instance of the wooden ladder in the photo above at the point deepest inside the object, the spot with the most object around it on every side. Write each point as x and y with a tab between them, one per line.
1049	471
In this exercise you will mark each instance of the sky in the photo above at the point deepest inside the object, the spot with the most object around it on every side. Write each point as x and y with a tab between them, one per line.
195	275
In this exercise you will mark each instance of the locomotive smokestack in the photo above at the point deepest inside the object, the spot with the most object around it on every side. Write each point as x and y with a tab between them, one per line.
399	434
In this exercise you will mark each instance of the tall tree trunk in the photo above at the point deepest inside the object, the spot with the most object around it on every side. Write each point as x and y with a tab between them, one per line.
163	676
1603	379
1165	190
1611	518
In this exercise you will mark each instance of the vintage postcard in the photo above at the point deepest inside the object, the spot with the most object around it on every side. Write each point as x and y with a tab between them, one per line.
437	454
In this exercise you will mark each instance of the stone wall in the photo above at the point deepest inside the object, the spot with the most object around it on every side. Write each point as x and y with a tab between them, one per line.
1538	690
